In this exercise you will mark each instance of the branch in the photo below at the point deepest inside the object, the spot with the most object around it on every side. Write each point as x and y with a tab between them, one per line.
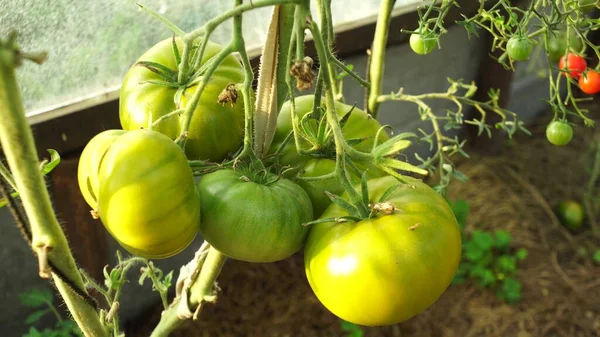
48	240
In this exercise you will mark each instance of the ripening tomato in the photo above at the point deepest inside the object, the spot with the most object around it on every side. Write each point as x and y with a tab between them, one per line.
519	48
572	63
359	126
252	217
216	129
559	133
386	269
422	44
140	185
590	82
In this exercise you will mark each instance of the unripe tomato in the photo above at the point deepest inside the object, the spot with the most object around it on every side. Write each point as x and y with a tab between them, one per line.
559	133
389	268
252	217
557	44
572	63
590	82
359	126
216	129
421	44
571	214
140	185
519	48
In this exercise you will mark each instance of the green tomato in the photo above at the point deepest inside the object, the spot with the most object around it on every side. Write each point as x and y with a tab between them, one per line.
140	185
359	126
422	45
571	214
559	133
386	269
557	44
215	130
519	48
250	220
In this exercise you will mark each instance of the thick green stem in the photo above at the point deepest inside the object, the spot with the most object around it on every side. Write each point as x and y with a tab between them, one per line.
191	107
240	46
376	66
202	290
48	240
332	120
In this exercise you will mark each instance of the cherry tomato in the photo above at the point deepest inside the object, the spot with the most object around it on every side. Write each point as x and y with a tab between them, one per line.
519	48
559	133
590	82
557	44
422	43
388	268
572	63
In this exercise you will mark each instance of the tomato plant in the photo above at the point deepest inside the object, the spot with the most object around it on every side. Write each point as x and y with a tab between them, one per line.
571	214
572	64
557	44
140	185
519	48
559	133
422	43
150	91
589	83
388	268
320	160
253	218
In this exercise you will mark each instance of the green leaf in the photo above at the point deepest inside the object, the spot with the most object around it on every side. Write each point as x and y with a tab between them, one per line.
503	239
69	327
36	316
522	254
36	298
510	290
167	281
54	161
351	329
473	252
33	332
160	70
506	264
387	163
596	256
351	209
483	240
461	211
364	189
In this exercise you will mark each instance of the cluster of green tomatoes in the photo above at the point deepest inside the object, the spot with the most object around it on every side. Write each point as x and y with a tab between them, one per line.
379	270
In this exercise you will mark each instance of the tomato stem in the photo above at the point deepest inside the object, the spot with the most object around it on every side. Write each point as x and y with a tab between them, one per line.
377	64
332	119
48	239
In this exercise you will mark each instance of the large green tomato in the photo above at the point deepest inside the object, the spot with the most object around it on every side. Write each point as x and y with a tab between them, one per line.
140	185
360	125
386	269
216	129
253	221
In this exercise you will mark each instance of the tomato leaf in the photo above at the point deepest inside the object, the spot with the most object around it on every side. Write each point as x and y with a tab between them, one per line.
596	256
33	332
176	52
510	290
461	211
36	316
389	192
160	70
503	239
399	165
522	254
364	188
54	161
506	264
4	202
483	240
36	298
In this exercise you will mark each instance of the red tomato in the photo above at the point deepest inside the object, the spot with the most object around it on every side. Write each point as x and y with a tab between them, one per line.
590	82
573	63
